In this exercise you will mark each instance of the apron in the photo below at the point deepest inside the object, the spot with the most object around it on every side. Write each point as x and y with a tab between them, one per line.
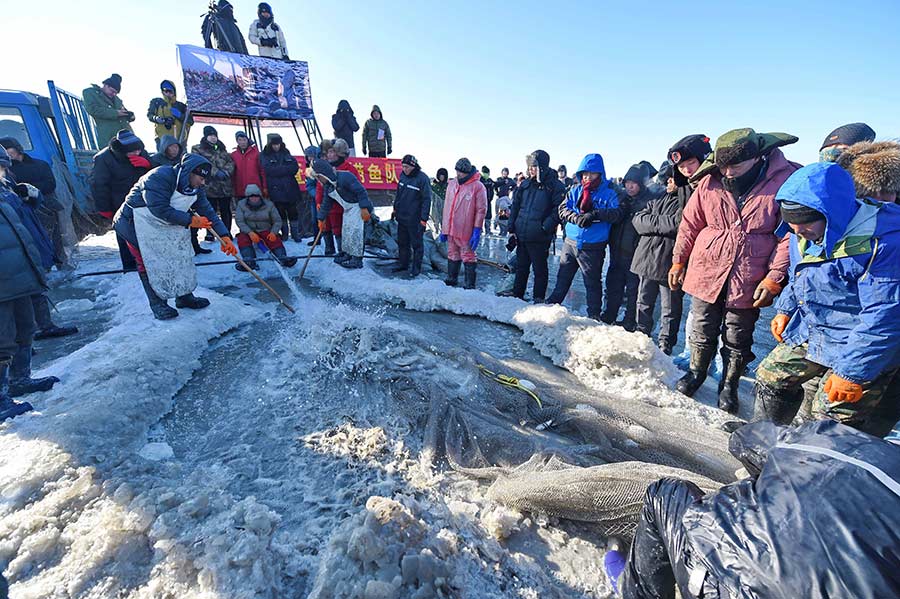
166	250
353	230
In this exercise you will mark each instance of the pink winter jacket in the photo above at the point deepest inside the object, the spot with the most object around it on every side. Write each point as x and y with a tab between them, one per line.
721	246
464	206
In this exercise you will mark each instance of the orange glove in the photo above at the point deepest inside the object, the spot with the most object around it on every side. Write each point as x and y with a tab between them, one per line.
254	237
321	226
676	276
840	389
272	237
228	246
777	326
364	214
765	293
200	222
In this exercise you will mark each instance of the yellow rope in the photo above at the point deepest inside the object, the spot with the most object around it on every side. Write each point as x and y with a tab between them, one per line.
509	381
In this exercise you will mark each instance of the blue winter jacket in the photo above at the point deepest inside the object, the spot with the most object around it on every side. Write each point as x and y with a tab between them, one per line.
605	202
27	210
350	189
154	190
843	297
21	274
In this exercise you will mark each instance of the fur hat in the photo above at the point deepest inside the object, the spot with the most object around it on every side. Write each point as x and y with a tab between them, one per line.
114	81
849	134
874	166
340	147
692	146
538	158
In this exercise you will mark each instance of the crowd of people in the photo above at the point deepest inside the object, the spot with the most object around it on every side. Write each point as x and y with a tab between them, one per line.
734	226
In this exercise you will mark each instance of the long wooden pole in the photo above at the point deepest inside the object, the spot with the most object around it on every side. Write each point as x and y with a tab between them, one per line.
311	250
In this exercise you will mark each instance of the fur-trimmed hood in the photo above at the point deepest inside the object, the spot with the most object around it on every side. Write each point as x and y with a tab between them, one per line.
874	166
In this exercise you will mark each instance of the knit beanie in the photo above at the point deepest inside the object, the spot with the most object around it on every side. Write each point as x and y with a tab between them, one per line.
210	130
848	135
795	213
129	141
410	160
114	81
241	134
463	165
11	143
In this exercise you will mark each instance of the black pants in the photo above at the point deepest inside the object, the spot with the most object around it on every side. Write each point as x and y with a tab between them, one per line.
128	263
621	287
734	325
41	305
590	261
222	207
660	556
374	154
532	256
17	326
671	308
409	240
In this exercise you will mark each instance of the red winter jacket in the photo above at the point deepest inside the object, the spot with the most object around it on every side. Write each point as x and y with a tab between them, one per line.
246	170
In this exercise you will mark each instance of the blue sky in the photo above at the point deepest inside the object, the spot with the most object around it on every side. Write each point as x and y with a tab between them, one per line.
495	80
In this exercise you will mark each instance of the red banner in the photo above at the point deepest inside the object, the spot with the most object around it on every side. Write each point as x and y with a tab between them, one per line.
375	173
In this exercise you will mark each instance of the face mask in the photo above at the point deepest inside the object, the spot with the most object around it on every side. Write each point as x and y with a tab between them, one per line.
830	154
740	185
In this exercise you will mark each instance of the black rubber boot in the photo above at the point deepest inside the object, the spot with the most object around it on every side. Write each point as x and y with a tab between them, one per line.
195	243
665	348
161	310
281	255
701	357
352	262
453	267
8	407
295	231
731	380
249	256
471	270
285	230
329	244
191	302
20	381
55	331
778	405
415	268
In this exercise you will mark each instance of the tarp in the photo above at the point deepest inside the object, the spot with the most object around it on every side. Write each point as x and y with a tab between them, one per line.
374	173
239	85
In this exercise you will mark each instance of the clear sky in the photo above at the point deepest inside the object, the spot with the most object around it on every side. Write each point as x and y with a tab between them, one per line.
495	80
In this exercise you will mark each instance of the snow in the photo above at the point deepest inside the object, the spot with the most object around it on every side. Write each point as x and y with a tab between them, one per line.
241	452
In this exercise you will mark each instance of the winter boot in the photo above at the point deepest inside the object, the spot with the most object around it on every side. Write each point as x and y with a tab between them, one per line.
608	318
195	243
191	302
20	381
778	405
352	262
471	270
329	244
416	267
453	267
161	310
731	380
281	255
248	254
285	231
665	347
55	331
295	231
701	356
8	407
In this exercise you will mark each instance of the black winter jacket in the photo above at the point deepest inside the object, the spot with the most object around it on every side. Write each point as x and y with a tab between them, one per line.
623	239
657	226
534	214
412	204
36	172
504	186
344	123
280	173
113	177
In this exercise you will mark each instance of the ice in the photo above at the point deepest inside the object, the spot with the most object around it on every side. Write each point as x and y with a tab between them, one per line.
157	451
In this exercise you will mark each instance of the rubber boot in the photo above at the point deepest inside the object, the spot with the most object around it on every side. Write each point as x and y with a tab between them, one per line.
55	331
453	267
191	302
195	243
778	405
730	382
342	256
329	243
295	231
285	231
20	381
701	357
352	262
249	256
471	270
8	407
415	268
161	310
665	348
281	255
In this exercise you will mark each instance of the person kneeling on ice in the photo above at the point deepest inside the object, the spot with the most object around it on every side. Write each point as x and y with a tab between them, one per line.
345	189
155	221
818	517
258	219
839	317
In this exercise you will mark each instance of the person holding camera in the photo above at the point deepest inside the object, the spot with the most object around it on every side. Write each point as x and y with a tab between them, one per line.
168	114
103	103
266	35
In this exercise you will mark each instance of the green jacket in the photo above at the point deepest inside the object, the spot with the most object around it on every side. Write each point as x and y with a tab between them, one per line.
370	136
105	110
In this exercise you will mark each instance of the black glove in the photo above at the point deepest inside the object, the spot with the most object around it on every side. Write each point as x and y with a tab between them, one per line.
169	122
268	42
512	243
585	220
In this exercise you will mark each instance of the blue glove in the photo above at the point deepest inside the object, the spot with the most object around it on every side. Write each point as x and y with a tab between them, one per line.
262	247
476	238
442	238
221	175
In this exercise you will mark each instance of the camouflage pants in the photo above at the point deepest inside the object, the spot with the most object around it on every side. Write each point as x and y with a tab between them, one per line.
786	367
